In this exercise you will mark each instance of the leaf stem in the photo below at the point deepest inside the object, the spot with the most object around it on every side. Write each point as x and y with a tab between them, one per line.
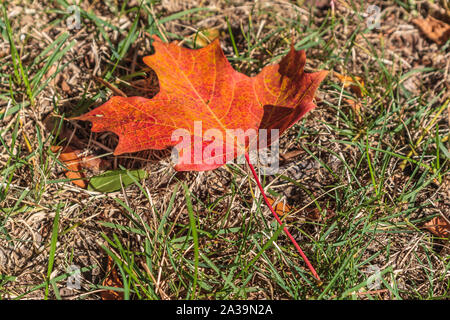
300	251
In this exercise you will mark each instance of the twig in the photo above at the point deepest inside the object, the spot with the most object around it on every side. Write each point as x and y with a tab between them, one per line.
110	86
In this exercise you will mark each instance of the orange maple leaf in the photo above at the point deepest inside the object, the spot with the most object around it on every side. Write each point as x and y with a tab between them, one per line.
201	86
71	159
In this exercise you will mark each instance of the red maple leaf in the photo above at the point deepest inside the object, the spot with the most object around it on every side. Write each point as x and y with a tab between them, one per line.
200	86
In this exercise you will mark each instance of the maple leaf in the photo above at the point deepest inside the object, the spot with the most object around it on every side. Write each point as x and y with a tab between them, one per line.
71	159
201	86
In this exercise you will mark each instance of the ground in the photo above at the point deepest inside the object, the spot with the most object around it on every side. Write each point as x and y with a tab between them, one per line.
364	172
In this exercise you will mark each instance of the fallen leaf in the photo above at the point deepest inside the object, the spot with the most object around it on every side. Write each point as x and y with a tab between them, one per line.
434	29
356	107
112	280
281	208
205	37
438	10
93	163
201	86
354	83
70	158
289	155
314	215
439	227
65	86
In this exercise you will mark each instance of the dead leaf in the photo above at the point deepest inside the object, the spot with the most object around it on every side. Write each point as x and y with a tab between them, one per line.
75	160
438	10
205	37
289	155
281	208
439	227
65	86
90	162
356	107
354	83
72	161
434	29
112	280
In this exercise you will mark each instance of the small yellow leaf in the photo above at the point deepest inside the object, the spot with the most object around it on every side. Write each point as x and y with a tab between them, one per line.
205	37
355	83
